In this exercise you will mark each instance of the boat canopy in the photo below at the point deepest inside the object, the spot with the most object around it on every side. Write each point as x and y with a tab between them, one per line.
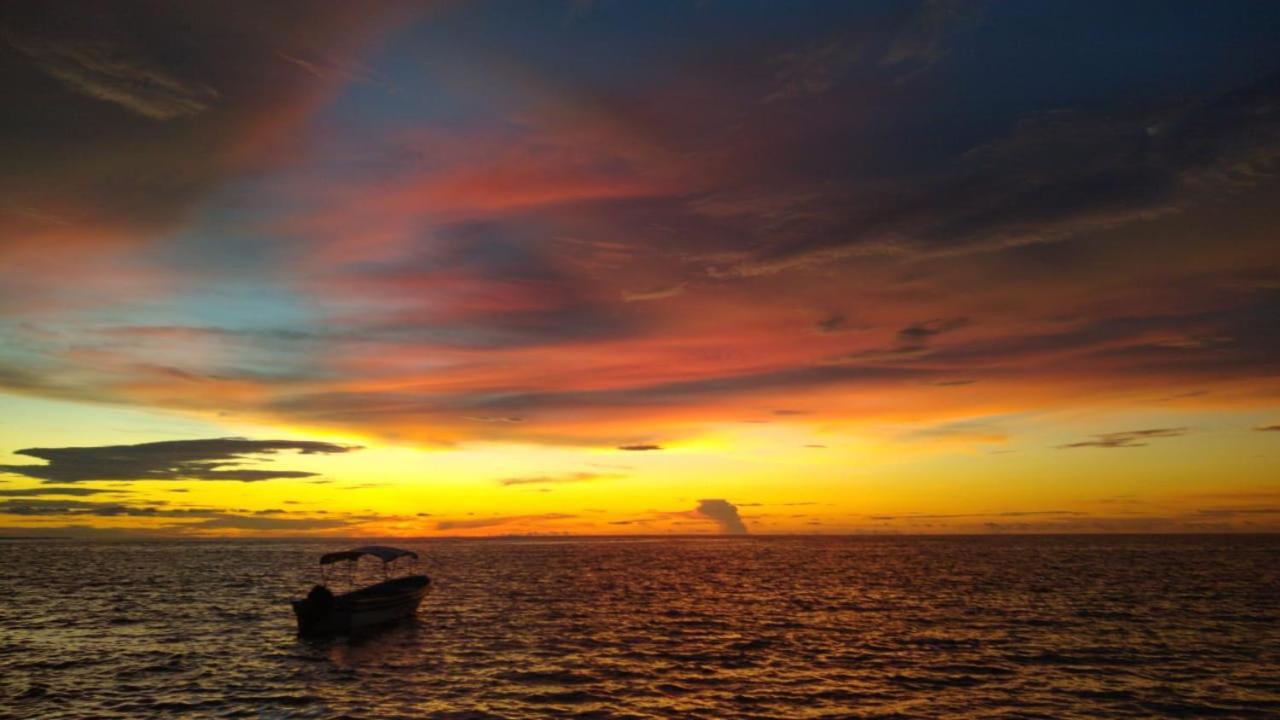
382	552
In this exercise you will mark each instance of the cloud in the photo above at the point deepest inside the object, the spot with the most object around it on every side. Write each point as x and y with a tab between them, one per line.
201	518
812	70
640	447
724	514
498	520
927	36
40	507
960	430
557	479
657	293
212	459
178	98
492	277
922	331
118	74
246	522
1238	511
834	324
1126	439
911	341
1268	428
953	516
1058	176
39	491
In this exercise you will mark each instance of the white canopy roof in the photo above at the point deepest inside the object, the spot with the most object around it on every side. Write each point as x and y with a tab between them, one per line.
382	552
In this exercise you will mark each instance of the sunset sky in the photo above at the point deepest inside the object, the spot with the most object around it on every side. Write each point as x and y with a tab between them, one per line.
361	269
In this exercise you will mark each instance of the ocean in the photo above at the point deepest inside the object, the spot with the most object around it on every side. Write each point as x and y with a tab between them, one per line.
741	627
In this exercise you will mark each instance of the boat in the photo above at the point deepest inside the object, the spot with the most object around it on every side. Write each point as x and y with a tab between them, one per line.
322	612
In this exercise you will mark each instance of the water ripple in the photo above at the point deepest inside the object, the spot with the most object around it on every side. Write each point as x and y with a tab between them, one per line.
681	628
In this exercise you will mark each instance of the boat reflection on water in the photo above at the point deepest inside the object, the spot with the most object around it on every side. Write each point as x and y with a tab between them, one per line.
395	598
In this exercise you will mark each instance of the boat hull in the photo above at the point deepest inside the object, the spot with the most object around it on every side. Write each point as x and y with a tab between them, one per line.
322	613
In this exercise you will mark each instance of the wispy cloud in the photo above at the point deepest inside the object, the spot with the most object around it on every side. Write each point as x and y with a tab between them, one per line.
911	341
836	323
178	520
1127	438
578	477
118	74
46	490
499	520
657	293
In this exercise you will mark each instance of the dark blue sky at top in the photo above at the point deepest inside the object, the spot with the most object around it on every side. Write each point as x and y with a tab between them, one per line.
999	63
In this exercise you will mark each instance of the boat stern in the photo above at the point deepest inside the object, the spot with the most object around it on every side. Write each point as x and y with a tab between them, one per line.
315	612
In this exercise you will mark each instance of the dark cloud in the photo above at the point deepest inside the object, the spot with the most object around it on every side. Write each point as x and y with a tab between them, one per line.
46	490
201	518
833	324
911	341
38	507
1055	177
42	507
922	331
212	459
1127	439
640	447
724	514
1268	428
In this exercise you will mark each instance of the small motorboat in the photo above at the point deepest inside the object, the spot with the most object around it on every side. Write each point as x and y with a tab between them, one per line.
395	598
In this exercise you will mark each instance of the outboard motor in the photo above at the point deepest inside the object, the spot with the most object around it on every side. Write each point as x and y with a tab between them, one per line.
313	612
321	597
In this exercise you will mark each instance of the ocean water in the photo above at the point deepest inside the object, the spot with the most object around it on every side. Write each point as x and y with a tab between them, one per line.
1063	627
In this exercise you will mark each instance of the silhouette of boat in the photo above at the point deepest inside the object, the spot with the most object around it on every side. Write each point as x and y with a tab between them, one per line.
395	598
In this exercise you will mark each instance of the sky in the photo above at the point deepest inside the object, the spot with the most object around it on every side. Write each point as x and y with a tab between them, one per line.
510	268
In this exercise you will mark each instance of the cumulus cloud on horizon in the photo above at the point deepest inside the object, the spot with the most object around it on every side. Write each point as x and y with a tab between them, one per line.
723	513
